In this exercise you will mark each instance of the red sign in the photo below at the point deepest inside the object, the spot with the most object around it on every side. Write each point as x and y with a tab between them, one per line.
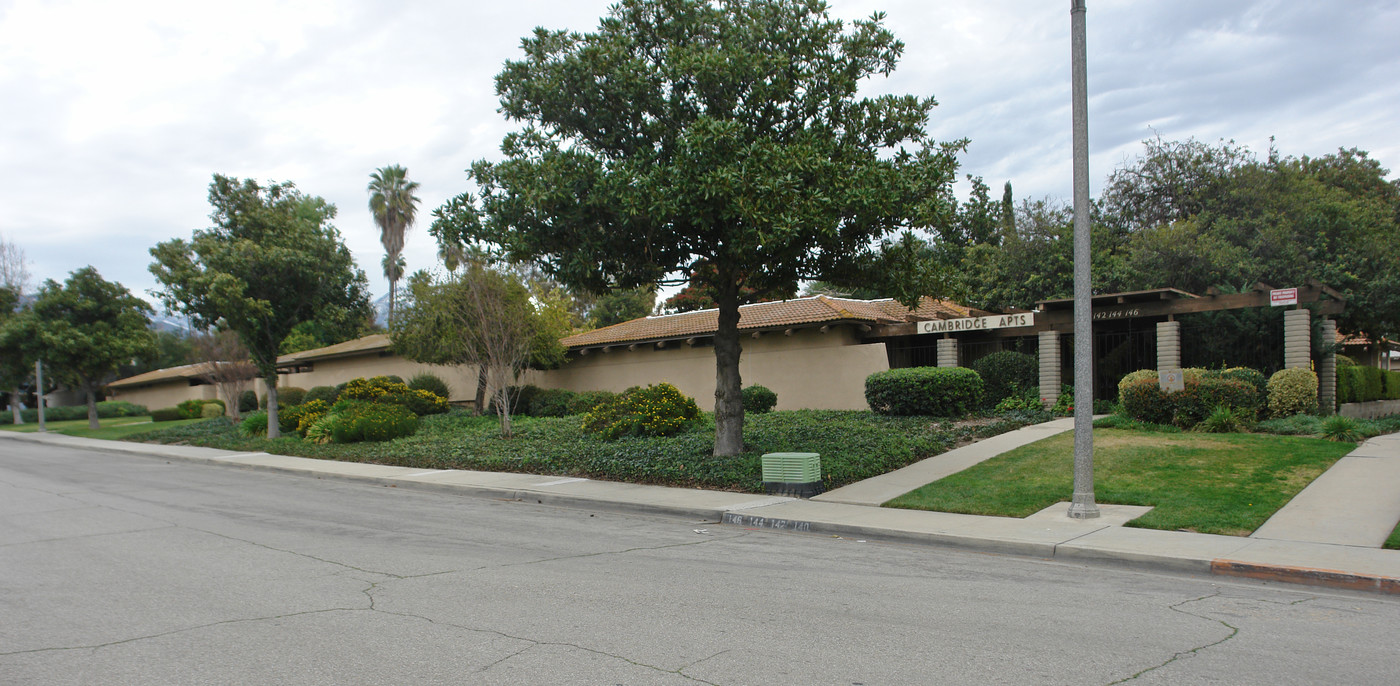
1283	296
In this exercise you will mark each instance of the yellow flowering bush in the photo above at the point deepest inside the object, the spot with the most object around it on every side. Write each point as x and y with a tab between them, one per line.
657	410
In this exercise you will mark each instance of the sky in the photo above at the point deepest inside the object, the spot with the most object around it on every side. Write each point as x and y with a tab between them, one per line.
115	116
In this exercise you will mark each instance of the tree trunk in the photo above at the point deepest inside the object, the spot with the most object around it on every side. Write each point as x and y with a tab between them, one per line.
729	406
14	407
389	321
92	409
480	408
274	430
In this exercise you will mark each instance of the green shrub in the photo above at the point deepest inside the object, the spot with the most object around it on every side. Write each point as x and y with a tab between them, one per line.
373	389
1252	377
1005	373
1064	405
758	399
1203	394
550	402
1105	407
520	397
120	408
657	410
1339	428
1292	391
320	430
587	400
290	396
326	394
247	401
1348	384
254	424
309	413
354	421
211	410
1224	420
190	409
1372	383
424	403
427	381
1026	400
934	391
1143	399
1133	377
166	414
1392	385
1344	361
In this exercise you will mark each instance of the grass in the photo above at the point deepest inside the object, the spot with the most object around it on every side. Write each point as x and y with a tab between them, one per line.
112	428
853	446
1209	483
1393	543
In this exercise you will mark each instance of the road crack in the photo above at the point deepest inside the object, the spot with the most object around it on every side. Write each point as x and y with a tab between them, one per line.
1234	631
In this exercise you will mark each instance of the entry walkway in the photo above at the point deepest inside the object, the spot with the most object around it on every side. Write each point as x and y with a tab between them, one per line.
1356	502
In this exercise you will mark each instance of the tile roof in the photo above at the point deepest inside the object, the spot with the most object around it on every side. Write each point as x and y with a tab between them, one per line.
187	371
819	309
375	343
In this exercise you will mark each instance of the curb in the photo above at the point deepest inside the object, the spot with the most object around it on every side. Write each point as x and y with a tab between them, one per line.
1307	576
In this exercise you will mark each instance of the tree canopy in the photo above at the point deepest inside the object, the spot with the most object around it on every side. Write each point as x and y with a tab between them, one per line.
87	328
725	137
271	261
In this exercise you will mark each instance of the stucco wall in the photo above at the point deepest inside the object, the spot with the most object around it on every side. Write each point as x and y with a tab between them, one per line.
808	369
162	395
461	381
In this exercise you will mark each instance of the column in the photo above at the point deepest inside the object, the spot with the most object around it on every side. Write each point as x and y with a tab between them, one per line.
947	352
1168	346
1297	339
1049	368
1327	370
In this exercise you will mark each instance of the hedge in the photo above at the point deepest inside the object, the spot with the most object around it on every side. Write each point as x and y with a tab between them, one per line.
1364	384
1203	392
1005	373
1292	391
105	410
933	391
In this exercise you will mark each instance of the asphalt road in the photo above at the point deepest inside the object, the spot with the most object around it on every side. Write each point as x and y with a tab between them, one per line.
119	569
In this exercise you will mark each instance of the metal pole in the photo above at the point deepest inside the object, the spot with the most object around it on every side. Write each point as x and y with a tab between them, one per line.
39	391
1082	506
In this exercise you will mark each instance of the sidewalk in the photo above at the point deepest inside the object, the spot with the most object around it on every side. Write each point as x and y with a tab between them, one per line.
1284	549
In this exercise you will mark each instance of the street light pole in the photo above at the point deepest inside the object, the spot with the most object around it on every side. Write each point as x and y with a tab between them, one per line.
39	391
1082	506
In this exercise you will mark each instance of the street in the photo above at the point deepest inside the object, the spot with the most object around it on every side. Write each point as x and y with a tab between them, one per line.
122	569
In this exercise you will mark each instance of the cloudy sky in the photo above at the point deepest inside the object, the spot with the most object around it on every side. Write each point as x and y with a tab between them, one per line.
114	116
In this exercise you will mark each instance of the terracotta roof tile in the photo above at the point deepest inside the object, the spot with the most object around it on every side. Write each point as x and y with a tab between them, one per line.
819	309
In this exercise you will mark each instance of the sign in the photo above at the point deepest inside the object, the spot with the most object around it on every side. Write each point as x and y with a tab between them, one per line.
1283	296
998	321
1171	381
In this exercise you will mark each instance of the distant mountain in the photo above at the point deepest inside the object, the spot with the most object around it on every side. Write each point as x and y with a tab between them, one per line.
381	311
174	323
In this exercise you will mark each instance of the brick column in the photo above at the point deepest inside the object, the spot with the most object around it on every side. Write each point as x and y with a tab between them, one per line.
947	352
1049	368
1168	346
1327	370
1297	339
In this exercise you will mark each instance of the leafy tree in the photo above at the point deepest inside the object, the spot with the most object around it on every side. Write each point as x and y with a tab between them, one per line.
271	261
701	294
621	306
88	327
483	317
724	137
226	366
394	206
19	348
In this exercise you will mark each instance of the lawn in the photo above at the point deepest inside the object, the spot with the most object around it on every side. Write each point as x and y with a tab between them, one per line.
853	446
113	428
1209	483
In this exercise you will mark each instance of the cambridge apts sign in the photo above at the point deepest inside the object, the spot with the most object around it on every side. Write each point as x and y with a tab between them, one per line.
1000	321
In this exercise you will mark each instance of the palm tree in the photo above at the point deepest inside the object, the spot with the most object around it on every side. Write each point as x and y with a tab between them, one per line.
393	204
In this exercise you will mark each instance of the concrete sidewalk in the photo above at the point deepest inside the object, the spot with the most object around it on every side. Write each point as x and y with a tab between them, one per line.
1277	558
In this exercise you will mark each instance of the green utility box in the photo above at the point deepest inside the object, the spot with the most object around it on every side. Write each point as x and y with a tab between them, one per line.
793	474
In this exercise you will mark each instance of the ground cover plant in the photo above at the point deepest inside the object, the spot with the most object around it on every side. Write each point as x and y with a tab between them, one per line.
853	445
1209	483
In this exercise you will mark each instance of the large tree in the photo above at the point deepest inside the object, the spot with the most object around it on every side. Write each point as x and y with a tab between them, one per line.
394	206
723	136
88	327
272	260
